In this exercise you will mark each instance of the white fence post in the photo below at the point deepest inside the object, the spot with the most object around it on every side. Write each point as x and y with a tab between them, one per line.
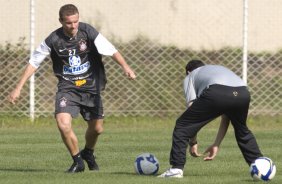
31	81
245	41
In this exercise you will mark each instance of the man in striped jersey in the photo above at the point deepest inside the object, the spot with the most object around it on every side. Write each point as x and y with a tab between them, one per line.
76	51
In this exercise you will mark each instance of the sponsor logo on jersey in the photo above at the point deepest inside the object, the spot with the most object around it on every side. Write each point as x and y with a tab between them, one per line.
76	70
70	78
76	67
80	82
74	61
62	50
82	45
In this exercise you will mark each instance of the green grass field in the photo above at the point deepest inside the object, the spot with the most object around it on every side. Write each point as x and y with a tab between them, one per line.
34	153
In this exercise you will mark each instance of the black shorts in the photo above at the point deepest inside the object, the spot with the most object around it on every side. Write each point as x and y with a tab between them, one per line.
90	106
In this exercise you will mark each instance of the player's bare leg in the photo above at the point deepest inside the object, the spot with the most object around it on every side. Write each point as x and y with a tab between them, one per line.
70	140
94	129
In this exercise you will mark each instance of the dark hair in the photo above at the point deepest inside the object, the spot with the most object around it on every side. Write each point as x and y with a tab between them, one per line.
192	65
68	9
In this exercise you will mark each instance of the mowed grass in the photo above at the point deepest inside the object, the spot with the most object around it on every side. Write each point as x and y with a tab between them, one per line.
34	153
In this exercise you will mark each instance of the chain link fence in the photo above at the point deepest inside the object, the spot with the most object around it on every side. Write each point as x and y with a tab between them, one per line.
157	39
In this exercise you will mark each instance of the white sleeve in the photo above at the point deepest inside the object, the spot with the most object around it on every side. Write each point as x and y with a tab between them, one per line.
39	55
189	90
103	46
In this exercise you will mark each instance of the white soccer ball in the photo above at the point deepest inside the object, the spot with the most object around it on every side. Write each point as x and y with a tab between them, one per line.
146	164
263	169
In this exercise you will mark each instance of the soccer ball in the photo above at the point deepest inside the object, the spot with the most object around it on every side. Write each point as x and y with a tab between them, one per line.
146	164
263	169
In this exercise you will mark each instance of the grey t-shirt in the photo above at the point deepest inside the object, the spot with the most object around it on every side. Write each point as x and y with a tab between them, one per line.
202	77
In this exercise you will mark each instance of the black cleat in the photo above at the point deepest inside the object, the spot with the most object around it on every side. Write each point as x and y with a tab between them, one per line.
75	168
90	160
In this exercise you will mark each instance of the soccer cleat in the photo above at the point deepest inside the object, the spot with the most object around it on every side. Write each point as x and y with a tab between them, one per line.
90	160
75	168
172	173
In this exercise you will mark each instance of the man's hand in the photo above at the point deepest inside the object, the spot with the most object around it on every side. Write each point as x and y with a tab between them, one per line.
193	150
129	73
212	151
126	69
14	95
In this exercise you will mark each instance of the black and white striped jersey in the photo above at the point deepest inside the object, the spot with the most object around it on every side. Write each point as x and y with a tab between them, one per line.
77	62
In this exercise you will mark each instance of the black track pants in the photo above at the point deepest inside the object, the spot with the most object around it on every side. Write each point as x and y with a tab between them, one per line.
215	101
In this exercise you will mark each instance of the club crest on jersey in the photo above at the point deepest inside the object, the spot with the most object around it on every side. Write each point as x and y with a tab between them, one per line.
82	45
63	102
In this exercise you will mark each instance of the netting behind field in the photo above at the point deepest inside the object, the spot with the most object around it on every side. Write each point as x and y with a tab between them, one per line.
156	42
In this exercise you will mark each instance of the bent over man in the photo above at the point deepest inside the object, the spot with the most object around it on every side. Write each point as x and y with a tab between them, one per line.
211	91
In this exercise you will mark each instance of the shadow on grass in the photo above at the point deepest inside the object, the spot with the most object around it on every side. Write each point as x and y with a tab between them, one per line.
25	170
122	173
131	174
249	181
